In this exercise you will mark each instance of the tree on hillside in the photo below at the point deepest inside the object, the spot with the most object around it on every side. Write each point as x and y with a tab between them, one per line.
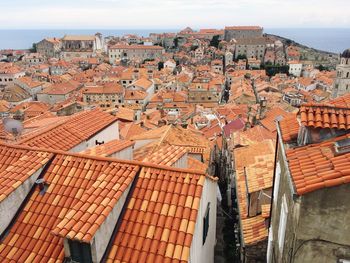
214	42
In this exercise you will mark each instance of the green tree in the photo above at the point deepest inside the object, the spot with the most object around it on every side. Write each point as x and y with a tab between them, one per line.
214	42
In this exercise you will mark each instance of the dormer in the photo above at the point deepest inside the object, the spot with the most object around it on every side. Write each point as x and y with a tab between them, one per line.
88	227
322	122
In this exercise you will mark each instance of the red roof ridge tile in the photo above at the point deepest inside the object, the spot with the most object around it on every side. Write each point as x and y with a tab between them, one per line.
111	159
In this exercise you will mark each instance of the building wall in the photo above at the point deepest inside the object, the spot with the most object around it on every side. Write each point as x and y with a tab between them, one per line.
10	205
295	69
52	98
324	215
107	134
125	154
182	162
137	53
6	79
104	233
235	34
283	189
198	252
342	81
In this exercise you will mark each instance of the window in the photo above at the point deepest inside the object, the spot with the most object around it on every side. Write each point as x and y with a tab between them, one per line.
206	223
282	223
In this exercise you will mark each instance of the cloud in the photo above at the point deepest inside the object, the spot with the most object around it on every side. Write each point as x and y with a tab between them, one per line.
173	13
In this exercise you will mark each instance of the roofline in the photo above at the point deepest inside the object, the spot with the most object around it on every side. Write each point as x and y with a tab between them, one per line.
110	159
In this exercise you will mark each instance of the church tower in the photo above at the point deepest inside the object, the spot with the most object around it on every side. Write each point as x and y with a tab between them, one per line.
342	82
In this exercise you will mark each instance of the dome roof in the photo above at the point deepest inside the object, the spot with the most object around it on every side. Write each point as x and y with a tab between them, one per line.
346	53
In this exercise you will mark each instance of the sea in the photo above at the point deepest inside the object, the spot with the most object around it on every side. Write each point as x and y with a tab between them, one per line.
327	39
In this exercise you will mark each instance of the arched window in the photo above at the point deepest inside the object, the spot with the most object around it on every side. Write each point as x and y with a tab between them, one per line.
347	75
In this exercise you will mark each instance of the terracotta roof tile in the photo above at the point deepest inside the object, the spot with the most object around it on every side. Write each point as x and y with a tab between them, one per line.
109	148
316	166
168	232
324	116
82	190
69	133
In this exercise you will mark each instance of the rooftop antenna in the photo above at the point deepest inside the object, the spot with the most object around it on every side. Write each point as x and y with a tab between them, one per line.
12	126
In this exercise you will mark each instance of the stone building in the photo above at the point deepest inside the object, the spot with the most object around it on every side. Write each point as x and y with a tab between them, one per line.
311	187
253	47
81	46
134	52
106	96
342	81
49	47
236	32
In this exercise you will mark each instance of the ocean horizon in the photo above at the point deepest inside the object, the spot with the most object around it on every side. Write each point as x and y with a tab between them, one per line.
327	39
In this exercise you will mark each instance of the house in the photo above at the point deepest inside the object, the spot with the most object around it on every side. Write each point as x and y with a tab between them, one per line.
134	52
31	86
106	96
49	47
251	47
295	68
311	187
83	208
9	72
170	64
236	32
33	58
71	133
58	92
84	46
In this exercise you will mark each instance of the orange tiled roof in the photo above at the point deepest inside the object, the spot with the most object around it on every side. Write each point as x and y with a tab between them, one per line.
21	163
159	221
108	148
166	155
315	166
254	230
248	157
265	210
289	128
66	135
161	213
194	164
324	116
86	216
269	121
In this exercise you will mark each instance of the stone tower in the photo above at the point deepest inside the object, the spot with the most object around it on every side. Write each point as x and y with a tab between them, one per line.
342	82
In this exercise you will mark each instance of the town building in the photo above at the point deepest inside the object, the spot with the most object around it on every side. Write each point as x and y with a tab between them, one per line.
81	46
251	47
236	32
98	209
9	72
49	47
134	52
311	186
108	95
295	68
342	82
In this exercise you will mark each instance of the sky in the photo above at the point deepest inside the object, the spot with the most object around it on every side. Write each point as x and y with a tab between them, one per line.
172	14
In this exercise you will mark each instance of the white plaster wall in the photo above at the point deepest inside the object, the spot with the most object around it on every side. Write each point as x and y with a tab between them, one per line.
104	233
10	205
200	253
107	134
125	154
182	162
140	143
